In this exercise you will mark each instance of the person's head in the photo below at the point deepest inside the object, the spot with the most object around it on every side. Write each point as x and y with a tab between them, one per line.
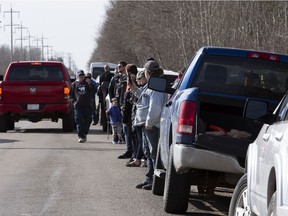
152	68
80	75
114	101
106	68
140	78
88	77
121	66
132	70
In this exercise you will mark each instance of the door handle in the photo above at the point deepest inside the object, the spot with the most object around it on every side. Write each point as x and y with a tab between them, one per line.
278	136
266	137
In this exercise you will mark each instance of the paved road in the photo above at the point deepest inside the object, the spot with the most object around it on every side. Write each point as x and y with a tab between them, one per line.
45	172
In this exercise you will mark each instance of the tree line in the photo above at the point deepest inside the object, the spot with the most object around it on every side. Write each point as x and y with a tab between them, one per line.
172	31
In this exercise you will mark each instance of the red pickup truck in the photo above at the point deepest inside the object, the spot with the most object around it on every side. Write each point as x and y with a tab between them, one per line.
35	91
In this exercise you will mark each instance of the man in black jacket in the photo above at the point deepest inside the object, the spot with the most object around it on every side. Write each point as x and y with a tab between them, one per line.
81	96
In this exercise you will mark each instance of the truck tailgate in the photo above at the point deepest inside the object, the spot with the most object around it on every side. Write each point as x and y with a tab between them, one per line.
33	92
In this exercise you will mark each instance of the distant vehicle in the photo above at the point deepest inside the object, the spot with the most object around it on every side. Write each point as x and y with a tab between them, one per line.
203	134
263	188
96	68
34	91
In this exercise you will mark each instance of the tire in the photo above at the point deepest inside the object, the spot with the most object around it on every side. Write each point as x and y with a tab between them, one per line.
3	123
238	203
10	124
158	183
176	190
68	122
272	205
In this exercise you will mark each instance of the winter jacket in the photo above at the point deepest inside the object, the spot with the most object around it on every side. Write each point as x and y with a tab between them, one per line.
149	106
114	114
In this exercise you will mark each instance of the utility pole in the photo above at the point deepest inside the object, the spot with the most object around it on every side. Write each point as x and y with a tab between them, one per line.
42	46
21	39
29	44
0	12
12	25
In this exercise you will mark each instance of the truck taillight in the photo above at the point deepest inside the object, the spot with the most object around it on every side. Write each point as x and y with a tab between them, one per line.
266	56
0	92
66	91
187	117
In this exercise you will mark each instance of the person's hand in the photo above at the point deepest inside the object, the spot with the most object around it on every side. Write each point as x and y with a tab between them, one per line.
148	127
132	86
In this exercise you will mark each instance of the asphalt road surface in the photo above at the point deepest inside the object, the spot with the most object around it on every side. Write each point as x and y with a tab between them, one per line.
45	172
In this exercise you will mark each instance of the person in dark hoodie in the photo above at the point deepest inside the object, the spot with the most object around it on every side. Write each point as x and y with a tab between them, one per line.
81	96
128	102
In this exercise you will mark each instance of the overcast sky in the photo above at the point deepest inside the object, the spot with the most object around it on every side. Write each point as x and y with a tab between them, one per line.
69	26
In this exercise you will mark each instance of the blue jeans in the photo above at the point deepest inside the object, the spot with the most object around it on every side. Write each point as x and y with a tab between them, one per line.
150	150
95	116
83	119
127	130
139	153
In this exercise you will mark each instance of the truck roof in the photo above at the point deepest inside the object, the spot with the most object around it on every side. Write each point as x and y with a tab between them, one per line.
229	51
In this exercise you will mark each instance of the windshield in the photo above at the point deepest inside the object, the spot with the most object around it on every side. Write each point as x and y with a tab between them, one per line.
243	76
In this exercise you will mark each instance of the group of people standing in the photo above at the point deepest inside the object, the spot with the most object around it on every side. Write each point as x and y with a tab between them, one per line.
135	111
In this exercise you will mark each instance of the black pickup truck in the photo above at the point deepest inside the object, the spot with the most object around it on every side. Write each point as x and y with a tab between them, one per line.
203	134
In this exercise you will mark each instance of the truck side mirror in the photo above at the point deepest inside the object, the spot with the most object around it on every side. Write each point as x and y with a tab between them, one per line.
160	84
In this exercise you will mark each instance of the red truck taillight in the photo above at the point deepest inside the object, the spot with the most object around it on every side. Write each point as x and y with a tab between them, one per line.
187	117
0	93
66	91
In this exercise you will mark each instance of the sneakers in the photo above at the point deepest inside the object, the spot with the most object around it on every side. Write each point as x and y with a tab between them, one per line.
114	142
145	186
135	163
120	142
125	155
81	140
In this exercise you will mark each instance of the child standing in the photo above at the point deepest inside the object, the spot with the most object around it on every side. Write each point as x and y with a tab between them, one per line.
115	116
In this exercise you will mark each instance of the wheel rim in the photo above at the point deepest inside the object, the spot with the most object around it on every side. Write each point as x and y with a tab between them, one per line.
242	208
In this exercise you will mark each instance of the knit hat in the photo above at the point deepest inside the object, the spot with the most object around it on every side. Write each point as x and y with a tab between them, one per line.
151	65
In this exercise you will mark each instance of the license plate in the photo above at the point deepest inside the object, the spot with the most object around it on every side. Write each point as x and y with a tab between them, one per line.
33	106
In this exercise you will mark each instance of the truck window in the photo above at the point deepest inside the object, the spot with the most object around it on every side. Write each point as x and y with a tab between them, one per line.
35	73
243	76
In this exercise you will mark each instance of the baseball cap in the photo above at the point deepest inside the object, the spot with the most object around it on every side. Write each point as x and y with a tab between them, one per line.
80	72
151	65
140	74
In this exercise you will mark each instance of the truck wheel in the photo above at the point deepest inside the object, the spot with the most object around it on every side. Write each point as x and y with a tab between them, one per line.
10	124
3	123
238	204
176	190
68	122
272	205
158	183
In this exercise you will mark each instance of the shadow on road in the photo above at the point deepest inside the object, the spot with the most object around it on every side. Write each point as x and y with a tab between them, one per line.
210	205
8	141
